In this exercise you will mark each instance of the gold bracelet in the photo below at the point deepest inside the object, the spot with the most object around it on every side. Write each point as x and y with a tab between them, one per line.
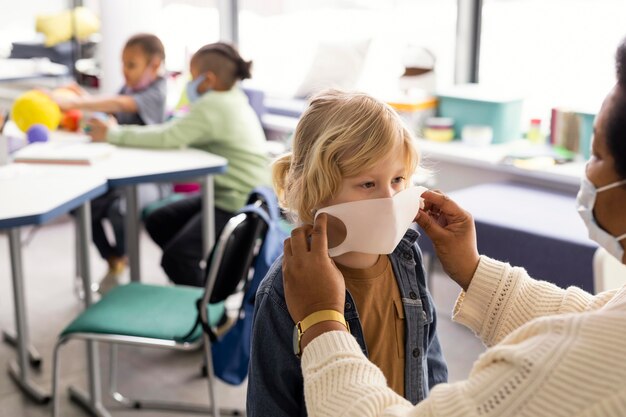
311	320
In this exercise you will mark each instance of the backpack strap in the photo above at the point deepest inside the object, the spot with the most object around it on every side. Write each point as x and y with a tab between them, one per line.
267	195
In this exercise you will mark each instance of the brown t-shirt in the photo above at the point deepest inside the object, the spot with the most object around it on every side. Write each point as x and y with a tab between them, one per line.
379	304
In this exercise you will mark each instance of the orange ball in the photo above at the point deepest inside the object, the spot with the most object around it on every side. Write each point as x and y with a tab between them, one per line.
71	120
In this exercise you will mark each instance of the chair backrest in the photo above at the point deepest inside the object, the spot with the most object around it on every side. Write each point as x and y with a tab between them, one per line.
232	257
231	352
257	101
608	272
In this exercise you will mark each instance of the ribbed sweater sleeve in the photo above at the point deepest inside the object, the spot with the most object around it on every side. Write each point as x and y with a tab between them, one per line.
501	298
557	365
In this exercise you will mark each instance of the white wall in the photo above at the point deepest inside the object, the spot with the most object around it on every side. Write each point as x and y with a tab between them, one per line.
120	19
17	20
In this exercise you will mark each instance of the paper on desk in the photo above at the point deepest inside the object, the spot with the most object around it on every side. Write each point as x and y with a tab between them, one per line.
58	152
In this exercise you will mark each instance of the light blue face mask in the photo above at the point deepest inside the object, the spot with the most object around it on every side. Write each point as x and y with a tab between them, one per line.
192	88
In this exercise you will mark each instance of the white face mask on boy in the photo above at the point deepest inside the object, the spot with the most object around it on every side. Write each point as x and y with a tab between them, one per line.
585	201
375	226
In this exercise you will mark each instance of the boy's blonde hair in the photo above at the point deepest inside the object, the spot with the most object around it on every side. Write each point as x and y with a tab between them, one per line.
340	135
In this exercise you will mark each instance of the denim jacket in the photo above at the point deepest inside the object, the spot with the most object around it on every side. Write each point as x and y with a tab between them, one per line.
275	385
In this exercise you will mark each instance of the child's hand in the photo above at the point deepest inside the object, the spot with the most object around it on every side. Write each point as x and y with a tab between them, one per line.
98	128
65	103
312	281
453	234
77	89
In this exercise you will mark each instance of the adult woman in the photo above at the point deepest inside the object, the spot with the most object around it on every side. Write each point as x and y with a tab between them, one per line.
552	351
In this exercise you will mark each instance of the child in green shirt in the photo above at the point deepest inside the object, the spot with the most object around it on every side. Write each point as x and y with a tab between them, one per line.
220	121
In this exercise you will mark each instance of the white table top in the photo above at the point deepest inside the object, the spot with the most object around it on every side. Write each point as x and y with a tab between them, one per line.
129	166
34	194
492	156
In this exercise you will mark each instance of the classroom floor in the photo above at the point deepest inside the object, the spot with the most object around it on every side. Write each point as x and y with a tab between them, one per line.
145	373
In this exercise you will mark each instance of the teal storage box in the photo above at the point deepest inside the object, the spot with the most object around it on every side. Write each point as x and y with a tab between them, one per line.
473	104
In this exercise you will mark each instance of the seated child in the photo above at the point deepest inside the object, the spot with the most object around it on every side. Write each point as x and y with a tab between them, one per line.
349	147
220	121
141	101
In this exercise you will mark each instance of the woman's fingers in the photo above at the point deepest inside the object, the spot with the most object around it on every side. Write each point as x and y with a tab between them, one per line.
287	247
430	225
299	238
435	199
319	239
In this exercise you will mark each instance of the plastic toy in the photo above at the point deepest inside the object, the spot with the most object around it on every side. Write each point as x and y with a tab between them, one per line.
35	107
37	133
71	120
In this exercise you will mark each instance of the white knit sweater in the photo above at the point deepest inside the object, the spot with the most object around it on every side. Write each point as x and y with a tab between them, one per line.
554	353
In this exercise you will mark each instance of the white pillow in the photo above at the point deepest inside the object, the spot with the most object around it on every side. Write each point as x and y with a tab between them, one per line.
335	65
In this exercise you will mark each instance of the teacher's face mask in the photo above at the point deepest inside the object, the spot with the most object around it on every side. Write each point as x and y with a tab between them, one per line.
585	201
373	226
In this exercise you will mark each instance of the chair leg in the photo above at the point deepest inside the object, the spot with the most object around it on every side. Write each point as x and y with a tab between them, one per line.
154	404
208	358
115	394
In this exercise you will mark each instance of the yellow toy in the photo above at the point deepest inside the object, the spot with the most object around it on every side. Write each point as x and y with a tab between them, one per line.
35	107
57	27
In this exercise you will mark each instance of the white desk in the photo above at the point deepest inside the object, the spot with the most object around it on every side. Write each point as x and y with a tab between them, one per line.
456	165
129	167
33	195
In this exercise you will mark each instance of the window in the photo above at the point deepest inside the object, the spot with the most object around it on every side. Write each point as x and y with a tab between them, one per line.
556	52
364	41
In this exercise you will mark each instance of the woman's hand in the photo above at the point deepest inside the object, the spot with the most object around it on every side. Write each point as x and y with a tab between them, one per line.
312	281
453	233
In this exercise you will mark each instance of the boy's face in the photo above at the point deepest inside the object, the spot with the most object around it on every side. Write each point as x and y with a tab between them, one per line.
136	64
383	180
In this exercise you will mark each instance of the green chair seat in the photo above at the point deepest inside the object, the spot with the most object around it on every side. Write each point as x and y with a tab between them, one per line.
142	310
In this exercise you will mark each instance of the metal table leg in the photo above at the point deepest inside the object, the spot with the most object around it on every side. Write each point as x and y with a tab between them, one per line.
91	402
20	371
208	215
132	232
34	357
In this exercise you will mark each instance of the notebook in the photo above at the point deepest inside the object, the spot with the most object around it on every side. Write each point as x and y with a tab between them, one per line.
57	152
